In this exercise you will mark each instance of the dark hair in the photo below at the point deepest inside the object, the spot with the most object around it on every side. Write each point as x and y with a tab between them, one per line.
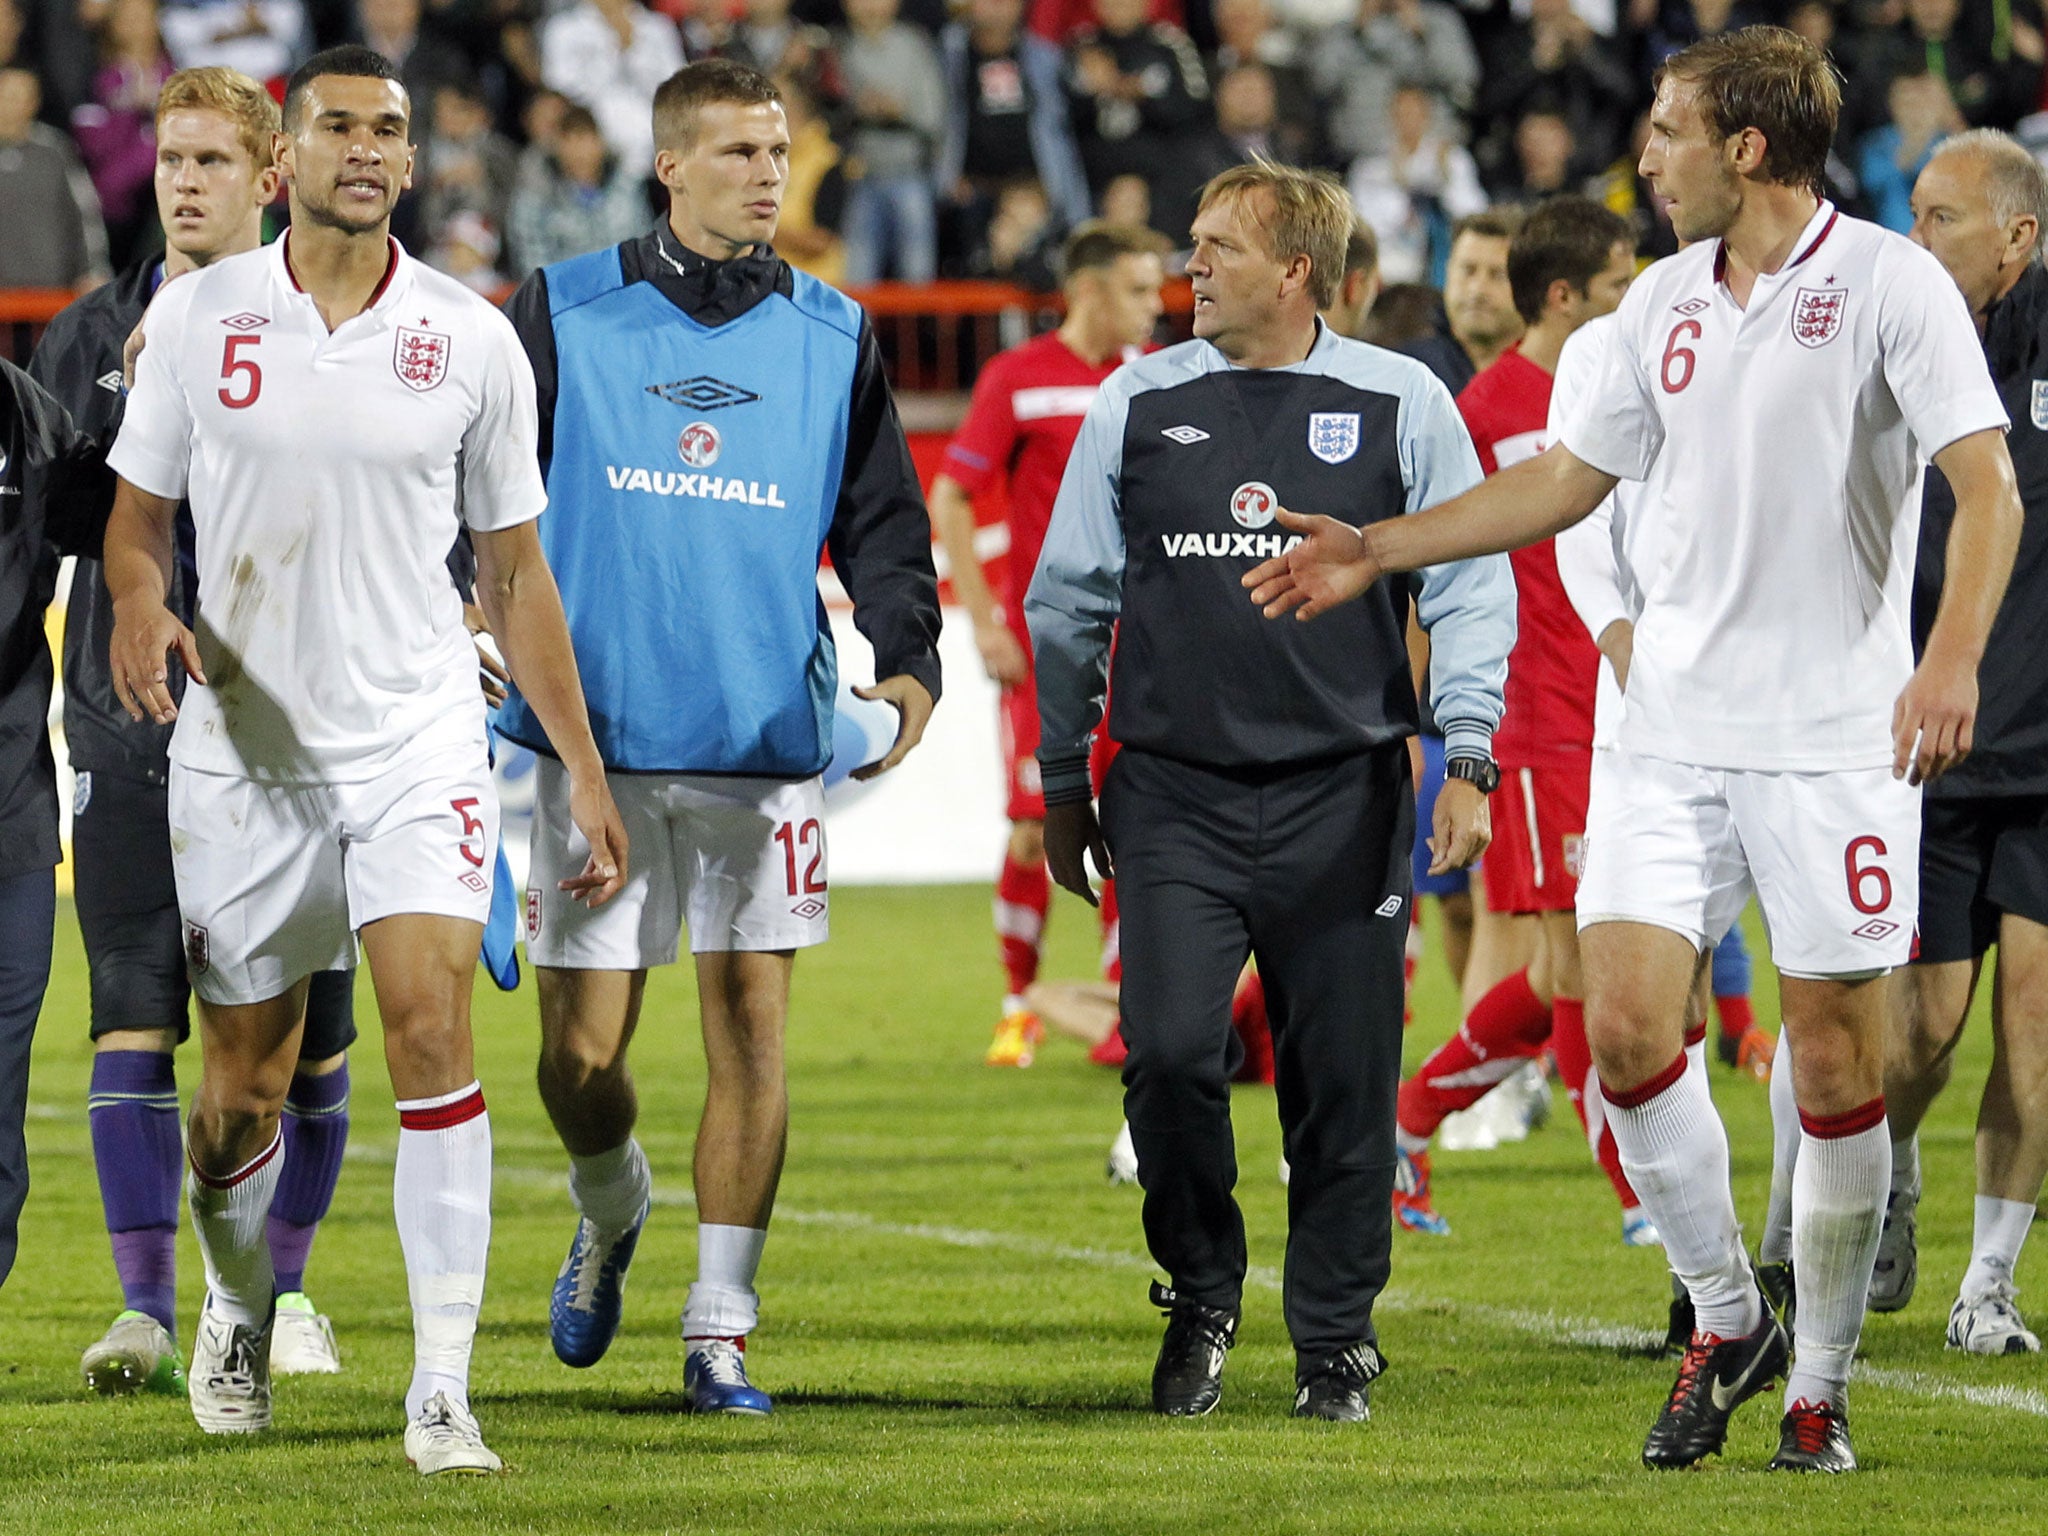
351	61
1097	244
1570	238
1362	250
577	118
684	94
1772	80
1501	223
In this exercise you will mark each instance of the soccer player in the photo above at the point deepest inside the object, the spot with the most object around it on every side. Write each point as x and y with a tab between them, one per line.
692	594
1027	409
1570	262
215	175
1980	205
1261	800
332	410
53	496
1790	371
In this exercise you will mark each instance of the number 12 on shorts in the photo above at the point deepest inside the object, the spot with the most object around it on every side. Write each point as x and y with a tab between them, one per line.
805	837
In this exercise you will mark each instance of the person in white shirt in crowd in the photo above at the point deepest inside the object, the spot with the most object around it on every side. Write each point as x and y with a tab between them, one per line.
611	55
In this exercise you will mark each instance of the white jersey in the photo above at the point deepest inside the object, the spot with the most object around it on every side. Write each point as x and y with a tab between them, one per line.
328	475
1788	441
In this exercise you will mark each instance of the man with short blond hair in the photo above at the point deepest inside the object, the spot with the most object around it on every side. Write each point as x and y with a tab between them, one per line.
1261	801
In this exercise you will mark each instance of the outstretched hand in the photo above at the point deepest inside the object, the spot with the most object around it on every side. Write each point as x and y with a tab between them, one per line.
1328	568
913	706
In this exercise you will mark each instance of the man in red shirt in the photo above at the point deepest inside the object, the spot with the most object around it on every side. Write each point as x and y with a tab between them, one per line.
1571	262
1027	410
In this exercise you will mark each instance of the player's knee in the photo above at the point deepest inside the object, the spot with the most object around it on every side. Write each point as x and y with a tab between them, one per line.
426	1034
1625	1042
234	1110
1027	842
1173	1061
575	1063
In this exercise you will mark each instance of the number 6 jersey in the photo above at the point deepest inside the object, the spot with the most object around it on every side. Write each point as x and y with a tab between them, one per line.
1790	438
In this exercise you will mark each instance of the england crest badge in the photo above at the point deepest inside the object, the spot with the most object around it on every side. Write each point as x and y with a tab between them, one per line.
2037	405
1333	435
1817	315
421	358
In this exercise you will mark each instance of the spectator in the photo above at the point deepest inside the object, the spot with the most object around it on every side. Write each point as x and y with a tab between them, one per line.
1544	159
1413	193
116	130
1479	317
540	123
1359	287
1389	44
1677	24
1247	34
765	37
1554	61
464	167
52	236
610	55
1128	200
261	38
466	248
1021	245
579	198
1989	57
1814	20
1922	115
1006	118
1138	93
898	100
1403	314
424	60
814	198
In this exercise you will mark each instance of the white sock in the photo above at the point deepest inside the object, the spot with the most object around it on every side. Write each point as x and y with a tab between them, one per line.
1675	1151
1838	1197
442	1191
1906	1166
1696	1058
1776	1244
723	1303
1410	1143
228	1215
1995	1247
611	1187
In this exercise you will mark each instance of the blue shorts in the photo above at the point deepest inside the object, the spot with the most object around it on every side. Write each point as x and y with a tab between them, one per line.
1458	881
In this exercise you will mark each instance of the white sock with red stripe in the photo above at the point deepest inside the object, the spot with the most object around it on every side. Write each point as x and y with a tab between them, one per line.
1838	1195
1774	1244
229	1215
442	1192
1675	1152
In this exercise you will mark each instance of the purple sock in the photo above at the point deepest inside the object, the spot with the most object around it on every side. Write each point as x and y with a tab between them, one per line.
133	1107
315	1132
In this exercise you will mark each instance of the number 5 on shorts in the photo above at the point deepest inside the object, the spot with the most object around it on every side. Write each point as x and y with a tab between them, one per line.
471	829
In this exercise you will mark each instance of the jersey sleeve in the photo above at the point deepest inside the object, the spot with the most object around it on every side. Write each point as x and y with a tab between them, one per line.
1932	358
1614	425
154	450
986	439
501	484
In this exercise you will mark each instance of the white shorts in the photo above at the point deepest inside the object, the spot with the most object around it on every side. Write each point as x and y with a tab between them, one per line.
1834	858
275	879
742	860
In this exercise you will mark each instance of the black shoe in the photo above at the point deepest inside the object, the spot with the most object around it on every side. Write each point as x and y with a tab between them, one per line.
1780	1290
1814	1437
1678	1332
1188	1380
1338	1387
1715	1376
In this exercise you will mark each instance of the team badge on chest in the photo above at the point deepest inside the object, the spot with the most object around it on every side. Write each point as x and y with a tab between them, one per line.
421	358
1817	315
1333	435
2037	405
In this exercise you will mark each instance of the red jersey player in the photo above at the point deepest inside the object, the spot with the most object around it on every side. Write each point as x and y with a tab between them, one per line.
1027	410
1571	261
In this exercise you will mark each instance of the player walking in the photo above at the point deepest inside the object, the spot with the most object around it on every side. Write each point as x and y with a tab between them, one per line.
1791	371
1570	262
1027	409
331	409
215	175
692	594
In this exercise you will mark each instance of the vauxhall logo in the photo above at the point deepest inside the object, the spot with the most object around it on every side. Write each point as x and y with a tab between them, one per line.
1251	506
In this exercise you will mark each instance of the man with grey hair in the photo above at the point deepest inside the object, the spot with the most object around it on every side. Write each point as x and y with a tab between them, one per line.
1980	205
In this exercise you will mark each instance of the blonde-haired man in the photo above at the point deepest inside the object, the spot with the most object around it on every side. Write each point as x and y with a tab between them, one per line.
215	176
1261	801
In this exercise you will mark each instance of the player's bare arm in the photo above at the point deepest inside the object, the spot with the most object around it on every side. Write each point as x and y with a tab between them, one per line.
139	550
913	703
1073	837
1002	653
1936	715
1334	562
518	595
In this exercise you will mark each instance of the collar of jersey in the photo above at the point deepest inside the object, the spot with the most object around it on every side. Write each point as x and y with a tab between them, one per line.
1817	229
395	280
1322	346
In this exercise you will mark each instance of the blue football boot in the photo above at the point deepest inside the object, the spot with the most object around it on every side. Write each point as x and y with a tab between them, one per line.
715	1379
583	1312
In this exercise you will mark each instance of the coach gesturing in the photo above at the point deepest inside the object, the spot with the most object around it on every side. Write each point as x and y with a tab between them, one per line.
1261	802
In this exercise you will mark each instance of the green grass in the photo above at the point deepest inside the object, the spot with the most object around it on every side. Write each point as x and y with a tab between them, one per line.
955	1324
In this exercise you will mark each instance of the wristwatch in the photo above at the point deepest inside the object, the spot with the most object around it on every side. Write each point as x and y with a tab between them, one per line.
1483	773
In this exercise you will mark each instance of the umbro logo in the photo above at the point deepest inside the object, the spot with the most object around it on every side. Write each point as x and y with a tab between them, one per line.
1690	306
1185	435
1876	928
244	321
110	382
808	908
703	393
1388	907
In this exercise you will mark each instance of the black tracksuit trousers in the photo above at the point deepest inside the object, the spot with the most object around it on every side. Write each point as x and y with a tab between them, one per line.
1306	867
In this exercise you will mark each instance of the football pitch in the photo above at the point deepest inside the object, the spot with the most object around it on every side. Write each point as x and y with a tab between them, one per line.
955	1327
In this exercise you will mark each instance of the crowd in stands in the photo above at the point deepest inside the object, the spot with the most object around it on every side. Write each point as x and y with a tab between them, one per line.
960	139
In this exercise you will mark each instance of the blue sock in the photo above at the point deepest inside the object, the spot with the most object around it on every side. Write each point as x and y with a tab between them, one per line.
140	1156
315	1134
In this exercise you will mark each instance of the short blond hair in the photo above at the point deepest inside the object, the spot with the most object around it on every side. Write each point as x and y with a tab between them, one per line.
235	96
1311	216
